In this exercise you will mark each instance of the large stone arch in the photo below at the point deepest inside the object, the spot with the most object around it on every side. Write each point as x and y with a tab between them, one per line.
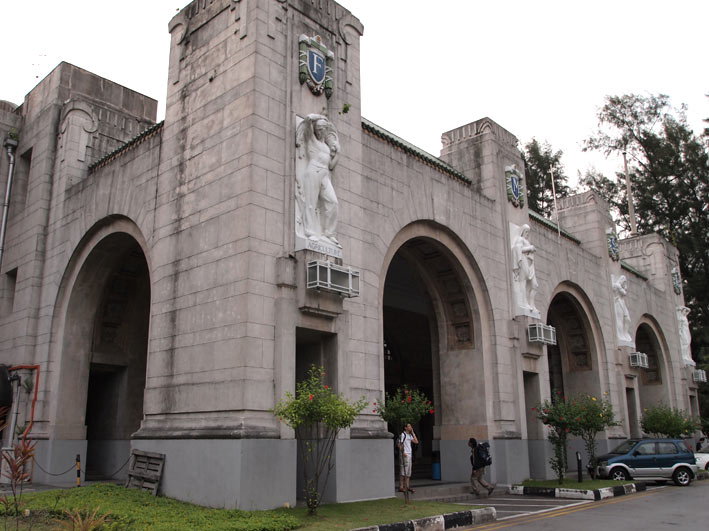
458	309
98	354
580	343
656	383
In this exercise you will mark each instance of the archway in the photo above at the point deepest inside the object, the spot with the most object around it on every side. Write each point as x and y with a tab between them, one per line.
573	361
431	333
653	387
104	337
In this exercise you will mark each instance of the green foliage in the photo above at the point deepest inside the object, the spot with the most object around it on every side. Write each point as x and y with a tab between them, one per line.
664	421
561	417
594	416
668	166
316	403
135	509
539	162
84	520
16	469
582	415
132	509
573	483
317	415
404	407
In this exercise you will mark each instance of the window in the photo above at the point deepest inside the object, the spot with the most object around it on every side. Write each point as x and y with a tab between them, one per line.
666	448
646	449
7	292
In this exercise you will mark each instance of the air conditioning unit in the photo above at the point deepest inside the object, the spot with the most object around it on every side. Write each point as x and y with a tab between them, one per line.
541	333
327	276
638	359
700	375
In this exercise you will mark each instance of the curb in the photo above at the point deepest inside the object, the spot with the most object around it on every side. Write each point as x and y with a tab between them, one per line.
578	494
440	522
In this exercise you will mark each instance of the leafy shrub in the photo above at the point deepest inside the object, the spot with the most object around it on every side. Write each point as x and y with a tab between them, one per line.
664	421
317	415
404	407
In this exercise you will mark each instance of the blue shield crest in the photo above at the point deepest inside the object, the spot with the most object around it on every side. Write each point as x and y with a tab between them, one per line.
316	65
514	185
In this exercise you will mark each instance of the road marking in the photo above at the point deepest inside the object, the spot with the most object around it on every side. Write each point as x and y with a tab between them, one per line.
510	521
554	508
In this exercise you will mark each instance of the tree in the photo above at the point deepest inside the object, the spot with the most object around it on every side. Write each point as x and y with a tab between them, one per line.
594	416
562	417
664	421
539	161
317	415
668	167
404	407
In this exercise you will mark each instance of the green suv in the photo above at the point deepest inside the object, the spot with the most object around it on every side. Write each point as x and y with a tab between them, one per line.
650	459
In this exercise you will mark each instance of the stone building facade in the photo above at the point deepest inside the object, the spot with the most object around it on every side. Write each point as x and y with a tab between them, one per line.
153	276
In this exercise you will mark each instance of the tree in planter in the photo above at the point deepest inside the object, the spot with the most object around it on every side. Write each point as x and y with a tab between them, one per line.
561	417
664	421
317	415
593	416
404	407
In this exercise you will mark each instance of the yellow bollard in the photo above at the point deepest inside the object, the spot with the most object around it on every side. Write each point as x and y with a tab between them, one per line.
78	470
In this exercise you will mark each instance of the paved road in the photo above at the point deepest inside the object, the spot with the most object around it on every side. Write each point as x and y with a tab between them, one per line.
658	508
510	505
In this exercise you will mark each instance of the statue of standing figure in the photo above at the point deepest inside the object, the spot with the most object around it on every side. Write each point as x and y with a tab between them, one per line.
317	152
622	315
523	272
685	338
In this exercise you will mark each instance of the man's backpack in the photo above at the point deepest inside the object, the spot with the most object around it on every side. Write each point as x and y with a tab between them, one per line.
482	455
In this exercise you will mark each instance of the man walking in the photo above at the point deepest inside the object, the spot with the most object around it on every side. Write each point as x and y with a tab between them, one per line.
407	437
477	479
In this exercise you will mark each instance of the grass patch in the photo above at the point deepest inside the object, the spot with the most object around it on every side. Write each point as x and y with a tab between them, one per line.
367	513
136	510
569	483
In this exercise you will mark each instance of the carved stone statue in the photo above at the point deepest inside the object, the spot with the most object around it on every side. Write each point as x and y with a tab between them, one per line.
524	275
685	338
622	316
317	152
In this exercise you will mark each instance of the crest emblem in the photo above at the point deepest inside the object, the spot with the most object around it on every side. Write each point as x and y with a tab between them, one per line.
676	281
612	239
315	65
515	185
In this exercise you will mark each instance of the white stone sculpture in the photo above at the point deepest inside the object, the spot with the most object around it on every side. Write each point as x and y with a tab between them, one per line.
317	152
685	338
622	316
523	273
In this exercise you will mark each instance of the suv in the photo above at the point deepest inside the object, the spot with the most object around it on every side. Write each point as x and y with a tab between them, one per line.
654	459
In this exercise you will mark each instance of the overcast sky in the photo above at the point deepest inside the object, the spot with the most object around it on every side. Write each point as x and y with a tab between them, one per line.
538	68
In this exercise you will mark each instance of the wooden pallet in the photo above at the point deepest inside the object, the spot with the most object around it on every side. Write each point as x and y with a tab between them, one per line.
145	471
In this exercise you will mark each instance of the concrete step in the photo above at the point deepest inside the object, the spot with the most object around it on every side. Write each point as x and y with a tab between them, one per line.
438	491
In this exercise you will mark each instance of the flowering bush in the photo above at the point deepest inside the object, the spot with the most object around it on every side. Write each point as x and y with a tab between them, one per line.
561	417
595	415
664	421
404	407
317	415
582	415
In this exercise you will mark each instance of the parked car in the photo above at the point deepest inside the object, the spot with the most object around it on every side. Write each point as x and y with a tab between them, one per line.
650	459
702	456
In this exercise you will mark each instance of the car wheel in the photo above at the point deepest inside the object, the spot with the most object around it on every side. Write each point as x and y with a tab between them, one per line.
682	477
618	474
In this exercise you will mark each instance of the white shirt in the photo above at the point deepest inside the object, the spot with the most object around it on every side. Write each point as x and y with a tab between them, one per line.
406	439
